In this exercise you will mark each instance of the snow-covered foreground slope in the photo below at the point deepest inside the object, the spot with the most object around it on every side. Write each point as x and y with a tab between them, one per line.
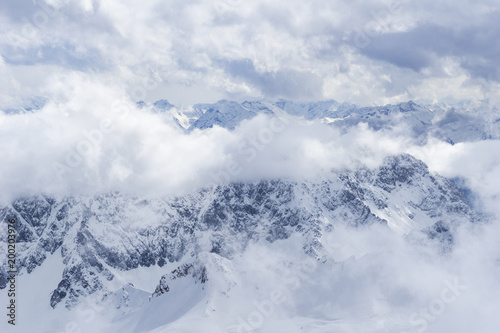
358	250
371	281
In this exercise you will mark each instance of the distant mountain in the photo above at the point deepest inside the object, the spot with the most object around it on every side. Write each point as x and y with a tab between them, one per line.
450	124
223	113
421	122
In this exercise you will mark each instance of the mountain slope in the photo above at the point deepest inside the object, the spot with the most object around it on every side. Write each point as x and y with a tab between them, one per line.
98	236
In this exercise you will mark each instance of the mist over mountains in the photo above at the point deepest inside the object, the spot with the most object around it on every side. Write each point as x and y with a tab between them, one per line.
327	211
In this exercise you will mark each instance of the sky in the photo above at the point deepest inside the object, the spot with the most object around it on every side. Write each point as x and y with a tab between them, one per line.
193	51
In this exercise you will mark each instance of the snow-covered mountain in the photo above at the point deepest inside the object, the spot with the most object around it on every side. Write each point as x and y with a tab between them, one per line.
453	124
99	237
450	124
212	259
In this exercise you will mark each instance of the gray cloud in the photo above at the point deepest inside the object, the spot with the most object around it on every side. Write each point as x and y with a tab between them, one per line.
290	49
17	10
67	56
476	47
284	83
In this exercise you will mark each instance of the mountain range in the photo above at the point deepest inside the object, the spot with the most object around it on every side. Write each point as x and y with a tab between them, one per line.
154	263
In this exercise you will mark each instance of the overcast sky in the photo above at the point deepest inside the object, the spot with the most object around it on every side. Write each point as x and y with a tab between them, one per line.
189	51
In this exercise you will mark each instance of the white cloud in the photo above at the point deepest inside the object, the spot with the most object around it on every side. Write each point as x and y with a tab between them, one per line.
477	162
67	146
188	43
91	137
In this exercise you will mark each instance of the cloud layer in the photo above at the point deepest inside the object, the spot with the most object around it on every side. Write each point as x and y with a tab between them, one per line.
376	52
91	136
76	144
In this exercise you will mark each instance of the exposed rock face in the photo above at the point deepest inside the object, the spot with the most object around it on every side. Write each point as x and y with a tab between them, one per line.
196	271
96	235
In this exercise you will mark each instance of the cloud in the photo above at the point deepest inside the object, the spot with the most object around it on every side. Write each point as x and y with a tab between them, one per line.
67	56
91	136
227	48
290	84
418	48
81	144
472	161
